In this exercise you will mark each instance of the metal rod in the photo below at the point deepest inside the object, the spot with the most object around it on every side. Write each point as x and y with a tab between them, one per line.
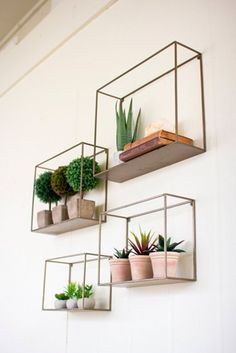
45	168
127	233
165	232
33	198
99	248
176	91
84	278
203	104
158	77
73	255
194	242
44	284
160	209
113	215
109	95
187	47
81	178
69	276
135	66
106	186
95	133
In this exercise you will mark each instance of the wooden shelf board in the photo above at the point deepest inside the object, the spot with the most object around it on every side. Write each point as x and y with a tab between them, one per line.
67	226
148	162
149	282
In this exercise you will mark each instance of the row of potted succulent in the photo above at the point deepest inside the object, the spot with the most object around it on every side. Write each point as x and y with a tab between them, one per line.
74	296
64	184
148	259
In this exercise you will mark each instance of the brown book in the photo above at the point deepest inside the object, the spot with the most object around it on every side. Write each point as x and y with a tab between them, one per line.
162	134
145	147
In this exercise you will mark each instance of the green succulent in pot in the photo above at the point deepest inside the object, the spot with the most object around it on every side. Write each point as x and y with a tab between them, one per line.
71	291
60	302
125	133
85	297
169	245
122	254
120	266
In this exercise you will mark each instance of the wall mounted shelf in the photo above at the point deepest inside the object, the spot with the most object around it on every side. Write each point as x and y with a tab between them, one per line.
82	268
160	158
166	214
80	150
172	61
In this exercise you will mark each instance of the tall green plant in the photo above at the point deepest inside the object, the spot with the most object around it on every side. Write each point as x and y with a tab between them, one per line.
124	126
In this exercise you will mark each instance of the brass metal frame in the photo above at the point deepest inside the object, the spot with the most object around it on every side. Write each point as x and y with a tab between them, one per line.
84	260
181	200
175	44
42	166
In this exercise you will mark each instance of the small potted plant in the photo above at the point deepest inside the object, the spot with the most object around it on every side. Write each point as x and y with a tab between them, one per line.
61	187
60	302
158	257
124	128
80	207
120	266
85	298
71	291
140	263
45	193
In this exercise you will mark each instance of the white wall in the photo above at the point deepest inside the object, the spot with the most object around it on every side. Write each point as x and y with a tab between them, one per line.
51	108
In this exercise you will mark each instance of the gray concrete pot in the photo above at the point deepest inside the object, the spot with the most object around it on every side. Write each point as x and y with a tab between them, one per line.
59	214
71	304
59	304
44	218
89	303
80	208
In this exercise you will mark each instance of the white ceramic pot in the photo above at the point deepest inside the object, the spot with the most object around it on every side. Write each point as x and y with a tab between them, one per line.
60	304
89	303
71	304
158	263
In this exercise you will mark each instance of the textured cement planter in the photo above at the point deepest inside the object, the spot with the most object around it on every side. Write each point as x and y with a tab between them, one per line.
158	263
71	304
80	208
120	270
59	214
141	267
89	303
44	218
60	304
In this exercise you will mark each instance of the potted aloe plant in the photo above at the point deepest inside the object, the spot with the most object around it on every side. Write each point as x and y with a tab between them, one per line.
158	257
120	266
124	128
140	263
85	298
45	193
71	291
60	302
61	187
79	207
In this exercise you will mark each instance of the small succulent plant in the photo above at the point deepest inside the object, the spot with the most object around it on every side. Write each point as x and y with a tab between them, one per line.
61	296
122	254
124	126
145	245
87	291
73	174
169	246
43	189
70	290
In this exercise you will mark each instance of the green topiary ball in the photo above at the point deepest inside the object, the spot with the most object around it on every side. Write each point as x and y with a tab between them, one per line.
43	188
74	171
59	182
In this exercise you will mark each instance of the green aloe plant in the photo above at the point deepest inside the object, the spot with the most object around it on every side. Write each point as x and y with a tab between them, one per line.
70	290
169	246
145	245
124	126
122	254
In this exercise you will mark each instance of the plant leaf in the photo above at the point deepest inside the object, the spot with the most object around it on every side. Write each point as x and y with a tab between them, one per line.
136	127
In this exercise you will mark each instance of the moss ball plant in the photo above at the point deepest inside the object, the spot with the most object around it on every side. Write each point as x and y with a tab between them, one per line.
74	171
43	189
59	182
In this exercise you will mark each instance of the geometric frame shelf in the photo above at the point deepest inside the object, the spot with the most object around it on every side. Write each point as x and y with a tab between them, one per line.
172	209
167	155
82	150
71	264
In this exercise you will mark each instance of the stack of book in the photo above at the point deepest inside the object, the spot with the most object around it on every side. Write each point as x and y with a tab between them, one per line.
151	142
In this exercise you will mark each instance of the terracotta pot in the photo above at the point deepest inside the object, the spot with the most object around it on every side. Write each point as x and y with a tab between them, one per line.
89	303
60	304
141	267
71	304
158	263
80	208
120	270
44	218
59	214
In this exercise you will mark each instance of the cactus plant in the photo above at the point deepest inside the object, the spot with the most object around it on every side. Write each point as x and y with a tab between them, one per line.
124	126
